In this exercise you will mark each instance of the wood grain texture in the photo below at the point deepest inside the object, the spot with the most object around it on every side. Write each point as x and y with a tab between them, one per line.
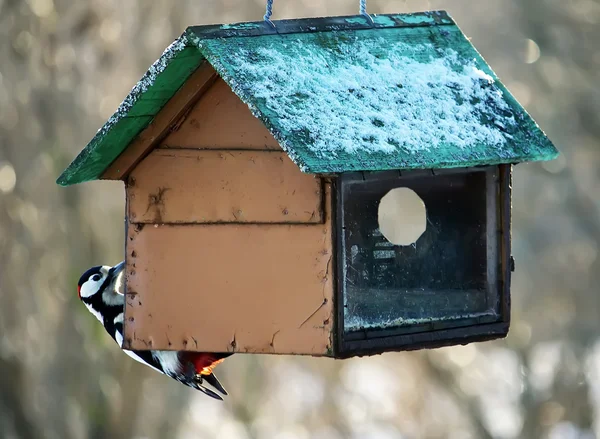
220	120
231	287
174	109
204	186
505	218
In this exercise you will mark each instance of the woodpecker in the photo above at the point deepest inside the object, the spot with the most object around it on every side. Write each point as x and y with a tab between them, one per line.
100	289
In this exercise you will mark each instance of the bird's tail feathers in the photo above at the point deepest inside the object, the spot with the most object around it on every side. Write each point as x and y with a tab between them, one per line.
214	382
200	367
199	384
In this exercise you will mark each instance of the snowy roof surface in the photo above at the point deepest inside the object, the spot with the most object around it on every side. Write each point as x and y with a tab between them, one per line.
341	94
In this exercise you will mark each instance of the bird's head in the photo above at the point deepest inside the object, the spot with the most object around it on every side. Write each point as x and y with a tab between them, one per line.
102	282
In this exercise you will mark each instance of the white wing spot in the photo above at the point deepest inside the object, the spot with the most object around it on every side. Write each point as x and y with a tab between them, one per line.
118	319
119	338
169	360
136	358
94	312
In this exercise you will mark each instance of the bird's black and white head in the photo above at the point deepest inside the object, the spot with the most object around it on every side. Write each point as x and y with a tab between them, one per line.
101	288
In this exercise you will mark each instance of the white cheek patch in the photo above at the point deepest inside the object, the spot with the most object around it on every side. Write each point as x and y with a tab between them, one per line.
90	287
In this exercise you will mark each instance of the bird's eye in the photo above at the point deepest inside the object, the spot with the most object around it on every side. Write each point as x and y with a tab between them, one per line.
96	277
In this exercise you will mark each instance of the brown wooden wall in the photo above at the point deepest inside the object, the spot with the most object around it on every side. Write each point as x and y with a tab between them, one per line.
215	186
220	120
229	245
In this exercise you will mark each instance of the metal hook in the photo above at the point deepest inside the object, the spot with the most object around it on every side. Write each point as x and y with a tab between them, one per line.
363	11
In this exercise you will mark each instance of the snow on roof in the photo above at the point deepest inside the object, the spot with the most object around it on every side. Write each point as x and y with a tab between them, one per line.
144	83
342	94
369	100
369	104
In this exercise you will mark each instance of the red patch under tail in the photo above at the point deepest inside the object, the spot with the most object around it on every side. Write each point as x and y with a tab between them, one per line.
202	365
205	362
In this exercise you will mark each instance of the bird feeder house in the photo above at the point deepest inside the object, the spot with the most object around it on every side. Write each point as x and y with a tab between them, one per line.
331	187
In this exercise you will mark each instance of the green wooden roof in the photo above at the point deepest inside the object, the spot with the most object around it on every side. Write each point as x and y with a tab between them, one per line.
343	94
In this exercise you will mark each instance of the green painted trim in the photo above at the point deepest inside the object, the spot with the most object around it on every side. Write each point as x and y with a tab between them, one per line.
137	111
216	43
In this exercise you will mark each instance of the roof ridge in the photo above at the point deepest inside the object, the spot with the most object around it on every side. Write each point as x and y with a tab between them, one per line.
321	24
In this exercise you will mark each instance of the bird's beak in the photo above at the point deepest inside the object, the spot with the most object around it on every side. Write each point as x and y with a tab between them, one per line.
114	271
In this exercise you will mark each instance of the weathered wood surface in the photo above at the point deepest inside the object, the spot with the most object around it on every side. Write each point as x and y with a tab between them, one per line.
219	120
231	287
174	110
203	186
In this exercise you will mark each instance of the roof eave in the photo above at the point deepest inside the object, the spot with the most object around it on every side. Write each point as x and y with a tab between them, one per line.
106	146
78	172
136	112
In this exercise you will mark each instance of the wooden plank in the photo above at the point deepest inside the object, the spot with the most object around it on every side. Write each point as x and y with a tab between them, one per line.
204	186
173	110
505	202
220	120
230	287
422	340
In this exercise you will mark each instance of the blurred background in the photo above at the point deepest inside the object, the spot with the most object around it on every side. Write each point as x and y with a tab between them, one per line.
64	68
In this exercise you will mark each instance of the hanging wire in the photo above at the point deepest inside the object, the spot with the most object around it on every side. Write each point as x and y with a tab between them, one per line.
269	11
363	10
363	7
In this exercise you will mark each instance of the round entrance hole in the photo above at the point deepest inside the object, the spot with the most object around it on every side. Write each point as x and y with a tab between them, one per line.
402	216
